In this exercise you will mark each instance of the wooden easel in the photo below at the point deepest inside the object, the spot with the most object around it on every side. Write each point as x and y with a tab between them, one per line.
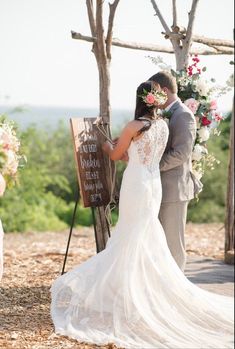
92	178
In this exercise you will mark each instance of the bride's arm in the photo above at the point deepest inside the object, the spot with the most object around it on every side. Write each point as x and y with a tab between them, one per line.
117	151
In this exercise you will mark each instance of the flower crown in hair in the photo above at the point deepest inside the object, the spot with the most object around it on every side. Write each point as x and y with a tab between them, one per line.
154	97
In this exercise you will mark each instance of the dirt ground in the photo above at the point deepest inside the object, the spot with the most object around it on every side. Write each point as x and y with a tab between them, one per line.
33	260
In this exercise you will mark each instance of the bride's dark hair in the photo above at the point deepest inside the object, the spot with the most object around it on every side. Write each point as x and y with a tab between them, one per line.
142	109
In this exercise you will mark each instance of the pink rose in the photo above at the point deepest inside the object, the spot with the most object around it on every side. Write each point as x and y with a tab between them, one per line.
2	185
218	117
6	146
150	99
205	121
213	105
192	104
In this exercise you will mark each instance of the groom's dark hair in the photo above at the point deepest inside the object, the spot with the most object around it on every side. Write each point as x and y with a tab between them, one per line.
165	79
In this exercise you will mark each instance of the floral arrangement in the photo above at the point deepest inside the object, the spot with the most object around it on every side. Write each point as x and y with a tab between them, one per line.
199	95
154	97
10	156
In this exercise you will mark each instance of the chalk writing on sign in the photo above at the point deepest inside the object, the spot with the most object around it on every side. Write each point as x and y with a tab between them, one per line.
90	162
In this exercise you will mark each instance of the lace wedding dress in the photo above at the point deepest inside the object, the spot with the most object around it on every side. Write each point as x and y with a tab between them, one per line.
133	294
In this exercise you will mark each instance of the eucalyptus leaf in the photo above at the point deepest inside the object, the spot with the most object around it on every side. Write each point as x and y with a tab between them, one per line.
173	73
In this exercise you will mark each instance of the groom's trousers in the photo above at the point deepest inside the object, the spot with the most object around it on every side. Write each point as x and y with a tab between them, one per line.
173	217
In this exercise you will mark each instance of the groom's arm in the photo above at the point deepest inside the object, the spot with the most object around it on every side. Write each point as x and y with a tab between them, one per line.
183	137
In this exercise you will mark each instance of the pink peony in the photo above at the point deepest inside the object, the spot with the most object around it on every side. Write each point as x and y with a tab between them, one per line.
192	104
150	99
218	117
213	105
2	185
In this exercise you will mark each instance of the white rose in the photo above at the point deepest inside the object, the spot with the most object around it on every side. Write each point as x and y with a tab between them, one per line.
204	134
202	87
198	152
12	162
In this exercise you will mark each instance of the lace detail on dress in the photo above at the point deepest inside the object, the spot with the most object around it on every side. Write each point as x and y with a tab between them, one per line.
151	145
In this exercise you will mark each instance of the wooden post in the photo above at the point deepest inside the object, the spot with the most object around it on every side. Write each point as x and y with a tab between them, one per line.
102	51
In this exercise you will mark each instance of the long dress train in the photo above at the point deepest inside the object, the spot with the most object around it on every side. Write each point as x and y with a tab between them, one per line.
133	294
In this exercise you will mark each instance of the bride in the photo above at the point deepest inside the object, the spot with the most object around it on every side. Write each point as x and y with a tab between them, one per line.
133	293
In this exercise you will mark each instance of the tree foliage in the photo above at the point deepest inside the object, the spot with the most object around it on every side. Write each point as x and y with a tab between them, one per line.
45	196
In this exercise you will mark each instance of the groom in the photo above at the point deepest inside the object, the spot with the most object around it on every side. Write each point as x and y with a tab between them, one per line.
175	166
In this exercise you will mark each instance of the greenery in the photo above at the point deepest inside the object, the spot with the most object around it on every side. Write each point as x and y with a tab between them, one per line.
45	196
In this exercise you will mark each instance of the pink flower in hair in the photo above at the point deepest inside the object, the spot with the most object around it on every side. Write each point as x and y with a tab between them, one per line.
150	99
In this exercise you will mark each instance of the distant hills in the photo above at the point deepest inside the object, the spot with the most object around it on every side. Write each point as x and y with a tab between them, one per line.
48	117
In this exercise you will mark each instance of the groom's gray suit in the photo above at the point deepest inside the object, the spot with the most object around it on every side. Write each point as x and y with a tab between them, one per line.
178	185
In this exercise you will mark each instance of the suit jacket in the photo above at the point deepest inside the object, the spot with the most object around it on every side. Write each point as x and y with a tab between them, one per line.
178	182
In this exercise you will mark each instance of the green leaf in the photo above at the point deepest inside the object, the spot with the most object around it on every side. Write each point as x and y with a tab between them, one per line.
173	73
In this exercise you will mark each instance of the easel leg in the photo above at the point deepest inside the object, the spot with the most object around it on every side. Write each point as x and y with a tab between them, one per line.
94	224
102	226
70	234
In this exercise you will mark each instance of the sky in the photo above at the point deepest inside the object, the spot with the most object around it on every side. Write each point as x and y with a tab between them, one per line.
40	64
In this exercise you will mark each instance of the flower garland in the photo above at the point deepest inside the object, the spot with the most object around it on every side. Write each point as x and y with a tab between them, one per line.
10	156
199	95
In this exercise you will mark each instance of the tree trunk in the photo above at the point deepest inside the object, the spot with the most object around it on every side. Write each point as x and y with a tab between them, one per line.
229	221
104	90
181	59
102	225
102	51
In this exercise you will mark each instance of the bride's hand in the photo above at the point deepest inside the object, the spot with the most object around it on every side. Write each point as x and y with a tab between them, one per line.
125	157
107	146
115	140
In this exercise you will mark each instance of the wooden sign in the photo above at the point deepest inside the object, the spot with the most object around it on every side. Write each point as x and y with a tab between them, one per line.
90	162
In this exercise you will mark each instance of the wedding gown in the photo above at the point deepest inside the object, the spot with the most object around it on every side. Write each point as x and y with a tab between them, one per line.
133	294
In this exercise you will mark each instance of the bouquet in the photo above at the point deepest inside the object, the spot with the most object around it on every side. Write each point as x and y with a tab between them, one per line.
10	155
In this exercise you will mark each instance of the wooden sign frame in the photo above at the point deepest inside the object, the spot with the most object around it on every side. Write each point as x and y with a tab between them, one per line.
90	162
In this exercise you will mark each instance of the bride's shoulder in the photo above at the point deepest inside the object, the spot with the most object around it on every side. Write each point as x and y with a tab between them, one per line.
135	125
